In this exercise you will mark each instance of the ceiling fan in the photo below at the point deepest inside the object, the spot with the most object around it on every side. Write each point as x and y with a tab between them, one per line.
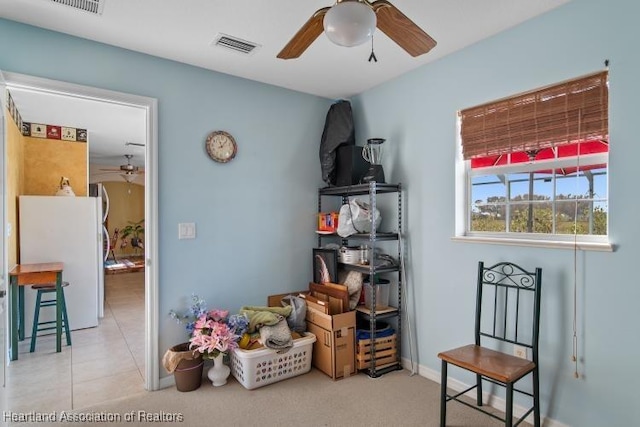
128	171
352	22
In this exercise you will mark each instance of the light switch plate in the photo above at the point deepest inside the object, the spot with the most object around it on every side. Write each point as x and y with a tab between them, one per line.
186	230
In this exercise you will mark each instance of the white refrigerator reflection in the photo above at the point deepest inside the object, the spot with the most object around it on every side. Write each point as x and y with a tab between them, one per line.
69	230
99	190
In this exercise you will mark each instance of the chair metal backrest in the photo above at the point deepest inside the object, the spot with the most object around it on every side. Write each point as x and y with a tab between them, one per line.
508	305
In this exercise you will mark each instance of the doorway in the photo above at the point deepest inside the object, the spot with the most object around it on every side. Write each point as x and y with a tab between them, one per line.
149	106
3	257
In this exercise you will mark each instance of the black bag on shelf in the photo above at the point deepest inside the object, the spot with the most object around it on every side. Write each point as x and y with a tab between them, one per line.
338	130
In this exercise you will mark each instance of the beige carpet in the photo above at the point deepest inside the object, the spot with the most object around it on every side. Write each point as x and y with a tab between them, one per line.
313	399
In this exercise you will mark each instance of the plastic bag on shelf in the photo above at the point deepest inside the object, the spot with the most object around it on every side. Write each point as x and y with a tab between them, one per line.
354	218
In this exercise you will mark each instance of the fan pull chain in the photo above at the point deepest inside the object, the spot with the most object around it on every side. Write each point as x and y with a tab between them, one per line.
373	55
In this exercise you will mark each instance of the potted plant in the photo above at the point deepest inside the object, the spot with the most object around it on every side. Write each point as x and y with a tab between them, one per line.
135	230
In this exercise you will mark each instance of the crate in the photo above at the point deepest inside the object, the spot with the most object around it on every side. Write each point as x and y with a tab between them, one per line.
385	352
263	366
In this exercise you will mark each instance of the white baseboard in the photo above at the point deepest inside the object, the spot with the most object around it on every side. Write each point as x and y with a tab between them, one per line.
168	381
492	400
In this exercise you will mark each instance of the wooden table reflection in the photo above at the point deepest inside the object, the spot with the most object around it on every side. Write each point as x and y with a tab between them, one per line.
32	274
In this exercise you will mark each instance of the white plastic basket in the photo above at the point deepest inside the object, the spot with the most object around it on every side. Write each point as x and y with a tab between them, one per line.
260	367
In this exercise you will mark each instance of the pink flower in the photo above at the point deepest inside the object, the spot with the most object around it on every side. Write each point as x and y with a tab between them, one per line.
218	315
212	335
203	323
202	343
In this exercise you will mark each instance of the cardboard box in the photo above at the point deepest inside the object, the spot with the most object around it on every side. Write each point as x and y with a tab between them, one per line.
275	300
334	349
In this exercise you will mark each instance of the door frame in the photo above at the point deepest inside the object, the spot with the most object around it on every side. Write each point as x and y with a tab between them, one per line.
150	105
4	257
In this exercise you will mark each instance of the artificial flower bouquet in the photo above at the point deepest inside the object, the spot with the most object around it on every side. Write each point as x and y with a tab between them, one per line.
211	331
217	332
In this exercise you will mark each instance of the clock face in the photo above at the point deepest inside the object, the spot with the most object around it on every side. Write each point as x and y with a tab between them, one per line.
221	146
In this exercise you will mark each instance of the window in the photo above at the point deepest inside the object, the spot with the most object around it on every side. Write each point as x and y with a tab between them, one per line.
536	164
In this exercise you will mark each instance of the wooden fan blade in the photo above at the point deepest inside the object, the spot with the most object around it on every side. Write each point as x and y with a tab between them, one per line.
305	36
401	29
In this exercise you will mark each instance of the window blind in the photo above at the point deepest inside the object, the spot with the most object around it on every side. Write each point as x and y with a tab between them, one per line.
560	114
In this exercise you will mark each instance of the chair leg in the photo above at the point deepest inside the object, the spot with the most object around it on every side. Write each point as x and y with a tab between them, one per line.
20	302
36	318
479	389
508	421
443	395
536	398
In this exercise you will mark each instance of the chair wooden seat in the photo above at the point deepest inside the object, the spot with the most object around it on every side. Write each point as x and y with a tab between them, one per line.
490	363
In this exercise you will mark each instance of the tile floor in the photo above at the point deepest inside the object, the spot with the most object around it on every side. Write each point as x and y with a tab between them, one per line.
103	363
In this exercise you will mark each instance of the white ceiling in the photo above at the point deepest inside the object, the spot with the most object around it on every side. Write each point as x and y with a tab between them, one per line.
111	128
184	31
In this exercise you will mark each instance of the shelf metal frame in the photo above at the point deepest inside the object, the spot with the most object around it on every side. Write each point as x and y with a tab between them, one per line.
372	190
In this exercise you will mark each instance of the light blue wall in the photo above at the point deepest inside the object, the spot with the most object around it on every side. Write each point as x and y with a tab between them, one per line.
254	216
417	115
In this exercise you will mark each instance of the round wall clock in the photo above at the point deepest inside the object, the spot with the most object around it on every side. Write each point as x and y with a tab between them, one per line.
221	146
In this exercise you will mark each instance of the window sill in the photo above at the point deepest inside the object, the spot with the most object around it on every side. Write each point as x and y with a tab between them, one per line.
552	244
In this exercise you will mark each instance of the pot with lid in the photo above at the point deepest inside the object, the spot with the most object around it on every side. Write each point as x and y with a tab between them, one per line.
353	254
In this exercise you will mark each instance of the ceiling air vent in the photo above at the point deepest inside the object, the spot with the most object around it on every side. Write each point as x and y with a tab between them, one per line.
91	6
234	43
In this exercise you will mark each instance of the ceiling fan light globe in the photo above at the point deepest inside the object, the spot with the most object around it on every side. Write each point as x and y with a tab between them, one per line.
349	23
129	177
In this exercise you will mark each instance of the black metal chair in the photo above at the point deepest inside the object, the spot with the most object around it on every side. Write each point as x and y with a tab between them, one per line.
507	314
